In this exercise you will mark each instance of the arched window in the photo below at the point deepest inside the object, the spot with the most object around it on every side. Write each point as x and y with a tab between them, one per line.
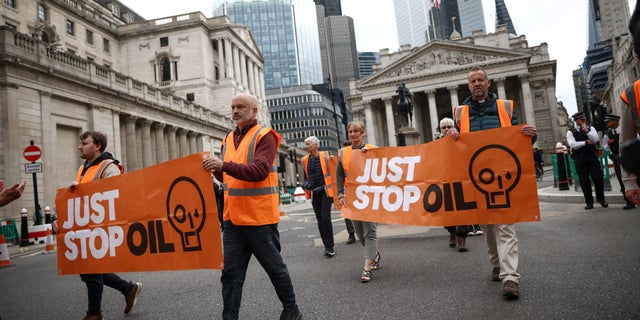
165	69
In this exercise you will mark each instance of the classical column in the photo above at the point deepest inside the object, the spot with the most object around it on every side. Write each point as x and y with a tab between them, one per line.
453	92
553	105
254	76
221	62
368	117
236	65
183	144
502	93
249	74
528	103
146	143
391	126
158	130
130	129
261	82
228	59
433	111
193	148
173	146
243	69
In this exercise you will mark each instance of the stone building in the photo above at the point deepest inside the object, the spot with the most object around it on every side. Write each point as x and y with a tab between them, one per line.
436	74
160	89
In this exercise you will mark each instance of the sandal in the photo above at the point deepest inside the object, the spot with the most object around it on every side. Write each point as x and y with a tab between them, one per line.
375	264
366	276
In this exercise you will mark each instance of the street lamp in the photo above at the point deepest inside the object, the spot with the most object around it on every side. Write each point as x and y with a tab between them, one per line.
335	113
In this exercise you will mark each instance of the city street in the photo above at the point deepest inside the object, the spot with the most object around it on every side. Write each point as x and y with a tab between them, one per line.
575	264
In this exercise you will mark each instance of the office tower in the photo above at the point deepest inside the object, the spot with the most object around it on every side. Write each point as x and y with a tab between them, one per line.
366	60
442	20
331	7
471	17
286	32
613	18
337	49
502	17
412	21
593	25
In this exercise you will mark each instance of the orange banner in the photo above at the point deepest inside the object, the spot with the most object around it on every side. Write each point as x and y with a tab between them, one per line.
486	177
162	217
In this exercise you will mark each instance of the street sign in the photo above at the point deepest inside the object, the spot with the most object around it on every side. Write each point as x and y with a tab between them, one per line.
32	153
35	167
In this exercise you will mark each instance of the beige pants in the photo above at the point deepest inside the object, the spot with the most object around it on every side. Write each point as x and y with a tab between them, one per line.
503	250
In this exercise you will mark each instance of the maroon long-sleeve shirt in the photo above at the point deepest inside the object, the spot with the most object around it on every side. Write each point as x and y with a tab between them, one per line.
263	159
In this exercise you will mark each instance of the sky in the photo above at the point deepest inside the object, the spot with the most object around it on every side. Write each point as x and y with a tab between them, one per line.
561	24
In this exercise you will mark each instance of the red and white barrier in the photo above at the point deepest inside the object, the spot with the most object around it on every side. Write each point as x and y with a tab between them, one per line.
4	252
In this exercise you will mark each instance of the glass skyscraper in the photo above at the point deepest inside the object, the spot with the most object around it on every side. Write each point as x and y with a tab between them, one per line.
471	17
286	32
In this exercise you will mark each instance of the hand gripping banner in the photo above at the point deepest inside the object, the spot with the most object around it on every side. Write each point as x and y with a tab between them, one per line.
485	177
158	218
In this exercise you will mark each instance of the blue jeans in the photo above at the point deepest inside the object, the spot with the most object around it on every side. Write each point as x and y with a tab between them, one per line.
239	243
95	284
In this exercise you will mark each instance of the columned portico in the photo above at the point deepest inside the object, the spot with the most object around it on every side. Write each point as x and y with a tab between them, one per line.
437	74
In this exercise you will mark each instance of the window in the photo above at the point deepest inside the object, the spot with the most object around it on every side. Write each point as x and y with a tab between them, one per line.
115	9
165	70
89	37
10	3
70	27
105	45
43	14
164	41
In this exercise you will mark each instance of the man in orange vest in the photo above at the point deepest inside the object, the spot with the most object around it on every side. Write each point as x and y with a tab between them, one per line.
317	179
630	121
248	172
99	164
483	111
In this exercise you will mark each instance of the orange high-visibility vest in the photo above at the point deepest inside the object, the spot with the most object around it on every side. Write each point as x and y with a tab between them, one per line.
94	172
250	203
344	155
505	113
324	164
631	96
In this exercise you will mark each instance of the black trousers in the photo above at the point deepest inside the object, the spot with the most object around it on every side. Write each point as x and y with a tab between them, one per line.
588	166
322	208
616	167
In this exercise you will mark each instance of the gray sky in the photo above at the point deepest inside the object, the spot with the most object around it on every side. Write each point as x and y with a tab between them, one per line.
562	24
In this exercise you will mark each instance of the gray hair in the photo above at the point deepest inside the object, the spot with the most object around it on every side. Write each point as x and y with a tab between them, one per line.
313	140
446	121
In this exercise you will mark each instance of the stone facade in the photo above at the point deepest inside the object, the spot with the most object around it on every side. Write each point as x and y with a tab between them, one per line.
436	74
159	89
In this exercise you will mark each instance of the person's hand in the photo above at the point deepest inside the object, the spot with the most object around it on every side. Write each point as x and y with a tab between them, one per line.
584	128
12	192
453	133
343	203
72	186
528	130
212	164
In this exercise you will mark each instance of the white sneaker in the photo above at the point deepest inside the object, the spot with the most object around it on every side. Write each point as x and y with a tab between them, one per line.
471	234
479	232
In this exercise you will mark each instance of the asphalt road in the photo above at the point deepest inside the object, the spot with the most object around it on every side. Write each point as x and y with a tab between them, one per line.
575	264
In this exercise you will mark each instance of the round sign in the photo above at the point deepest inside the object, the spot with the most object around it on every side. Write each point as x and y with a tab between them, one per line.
32	153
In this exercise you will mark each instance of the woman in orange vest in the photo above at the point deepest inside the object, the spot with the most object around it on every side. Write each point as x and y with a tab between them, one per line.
317	181
367	231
